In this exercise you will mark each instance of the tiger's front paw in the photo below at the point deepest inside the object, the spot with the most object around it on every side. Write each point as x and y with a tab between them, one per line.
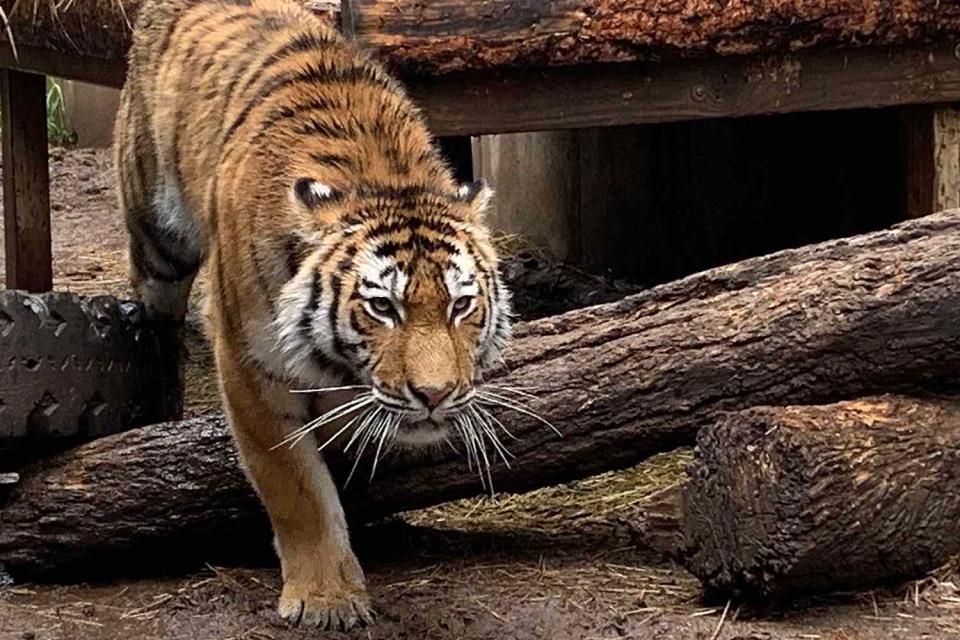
337	606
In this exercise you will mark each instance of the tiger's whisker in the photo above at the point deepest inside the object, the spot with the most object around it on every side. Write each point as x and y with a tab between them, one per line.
385	432
295	436
371	433
493	399
481	447
330	389
492	437
515	390
349	424
367	422
340	411
495	420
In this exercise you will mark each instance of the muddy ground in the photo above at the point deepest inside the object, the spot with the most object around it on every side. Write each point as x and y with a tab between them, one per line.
558	563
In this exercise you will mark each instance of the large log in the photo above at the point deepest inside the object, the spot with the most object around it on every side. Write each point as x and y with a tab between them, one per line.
817	498
851	317
447	35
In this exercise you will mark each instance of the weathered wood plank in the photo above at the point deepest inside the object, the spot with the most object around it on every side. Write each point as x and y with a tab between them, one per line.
675	90
26	182
512	100
930	146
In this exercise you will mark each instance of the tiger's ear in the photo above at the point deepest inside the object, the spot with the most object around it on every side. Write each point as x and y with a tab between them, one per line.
312	193
477	194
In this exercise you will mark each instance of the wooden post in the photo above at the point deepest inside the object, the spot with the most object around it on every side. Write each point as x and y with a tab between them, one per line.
930	144
535	176
26	182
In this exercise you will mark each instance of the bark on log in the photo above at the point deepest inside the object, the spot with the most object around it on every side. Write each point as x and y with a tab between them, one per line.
818	498
453	35
447	35
847	318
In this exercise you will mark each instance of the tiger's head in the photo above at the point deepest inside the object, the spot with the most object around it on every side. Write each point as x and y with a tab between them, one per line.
400	292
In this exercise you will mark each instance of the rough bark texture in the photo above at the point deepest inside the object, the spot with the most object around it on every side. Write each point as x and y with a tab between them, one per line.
871	314
447	35
818	498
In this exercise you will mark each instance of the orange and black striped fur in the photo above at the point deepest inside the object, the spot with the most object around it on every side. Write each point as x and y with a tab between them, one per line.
254	138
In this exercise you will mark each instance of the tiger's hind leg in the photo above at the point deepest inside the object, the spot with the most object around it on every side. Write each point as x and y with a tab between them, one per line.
165	249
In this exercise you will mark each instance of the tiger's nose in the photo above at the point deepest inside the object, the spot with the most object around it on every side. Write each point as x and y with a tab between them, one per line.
431	396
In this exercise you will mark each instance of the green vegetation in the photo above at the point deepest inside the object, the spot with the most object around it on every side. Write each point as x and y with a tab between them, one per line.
58	121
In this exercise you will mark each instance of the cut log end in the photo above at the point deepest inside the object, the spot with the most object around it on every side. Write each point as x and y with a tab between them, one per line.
789	500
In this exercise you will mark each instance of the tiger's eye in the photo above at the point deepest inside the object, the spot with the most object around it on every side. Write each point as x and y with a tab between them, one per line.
382	306
461	304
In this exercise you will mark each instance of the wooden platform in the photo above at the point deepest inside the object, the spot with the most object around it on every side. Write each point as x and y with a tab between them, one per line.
496	66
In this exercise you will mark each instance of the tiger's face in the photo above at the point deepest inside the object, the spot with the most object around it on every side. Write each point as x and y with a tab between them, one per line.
401	294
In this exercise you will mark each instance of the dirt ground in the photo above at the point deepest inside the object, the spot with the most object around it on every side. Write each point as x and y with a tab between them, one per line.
560	563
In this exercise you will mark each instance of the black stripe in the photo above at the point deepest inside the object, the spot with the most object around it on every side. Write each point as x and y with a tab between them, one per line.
296	250
314	127
311	74
286	112
391	247
304	41
336	284
186	21
333	160
412	224
355	323
387	271
309	311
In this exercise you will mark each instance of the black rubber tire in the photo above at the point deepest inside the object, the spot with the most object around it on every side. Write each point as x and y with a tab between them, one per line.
75	368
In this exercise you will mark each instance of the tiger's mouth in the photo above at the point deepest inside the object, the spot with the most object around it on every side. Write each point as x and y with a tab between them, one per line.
422	432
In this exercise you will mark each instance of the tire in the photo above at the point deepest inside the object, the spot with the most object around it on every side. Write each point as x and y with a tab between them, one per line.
76	368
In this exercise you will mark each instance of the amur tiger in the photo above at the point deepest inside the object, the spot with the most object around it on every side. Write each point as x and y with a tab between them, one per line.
341	253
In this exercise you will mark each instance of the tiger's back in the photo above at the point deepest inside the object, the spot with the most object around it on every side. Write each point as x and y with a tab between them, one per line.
223	102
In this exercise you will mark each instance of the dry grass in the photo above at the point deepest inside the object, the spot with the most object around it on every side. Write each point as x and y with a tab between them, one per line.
597	506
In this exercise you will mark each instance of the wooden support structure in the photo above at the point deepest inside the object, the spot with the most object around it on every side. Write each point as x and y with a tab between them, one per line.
26	181
931	158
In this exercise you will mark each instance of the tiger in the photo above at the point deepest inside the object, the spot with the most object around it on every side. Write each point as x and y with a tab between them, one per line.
254	139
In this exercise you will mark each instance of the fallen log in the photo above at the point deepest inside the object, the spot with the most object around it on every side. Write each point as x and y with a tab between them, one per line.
852	317
800	499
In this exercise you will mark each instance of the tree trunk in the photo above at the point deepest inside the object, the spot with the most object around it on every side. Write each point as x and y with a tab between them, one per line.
817	498
847	318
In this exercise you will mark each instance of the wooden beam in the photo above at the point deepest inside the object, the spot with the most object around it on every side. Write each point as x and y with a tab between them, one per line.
685	89
26	182
930	148
599	95
108	72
